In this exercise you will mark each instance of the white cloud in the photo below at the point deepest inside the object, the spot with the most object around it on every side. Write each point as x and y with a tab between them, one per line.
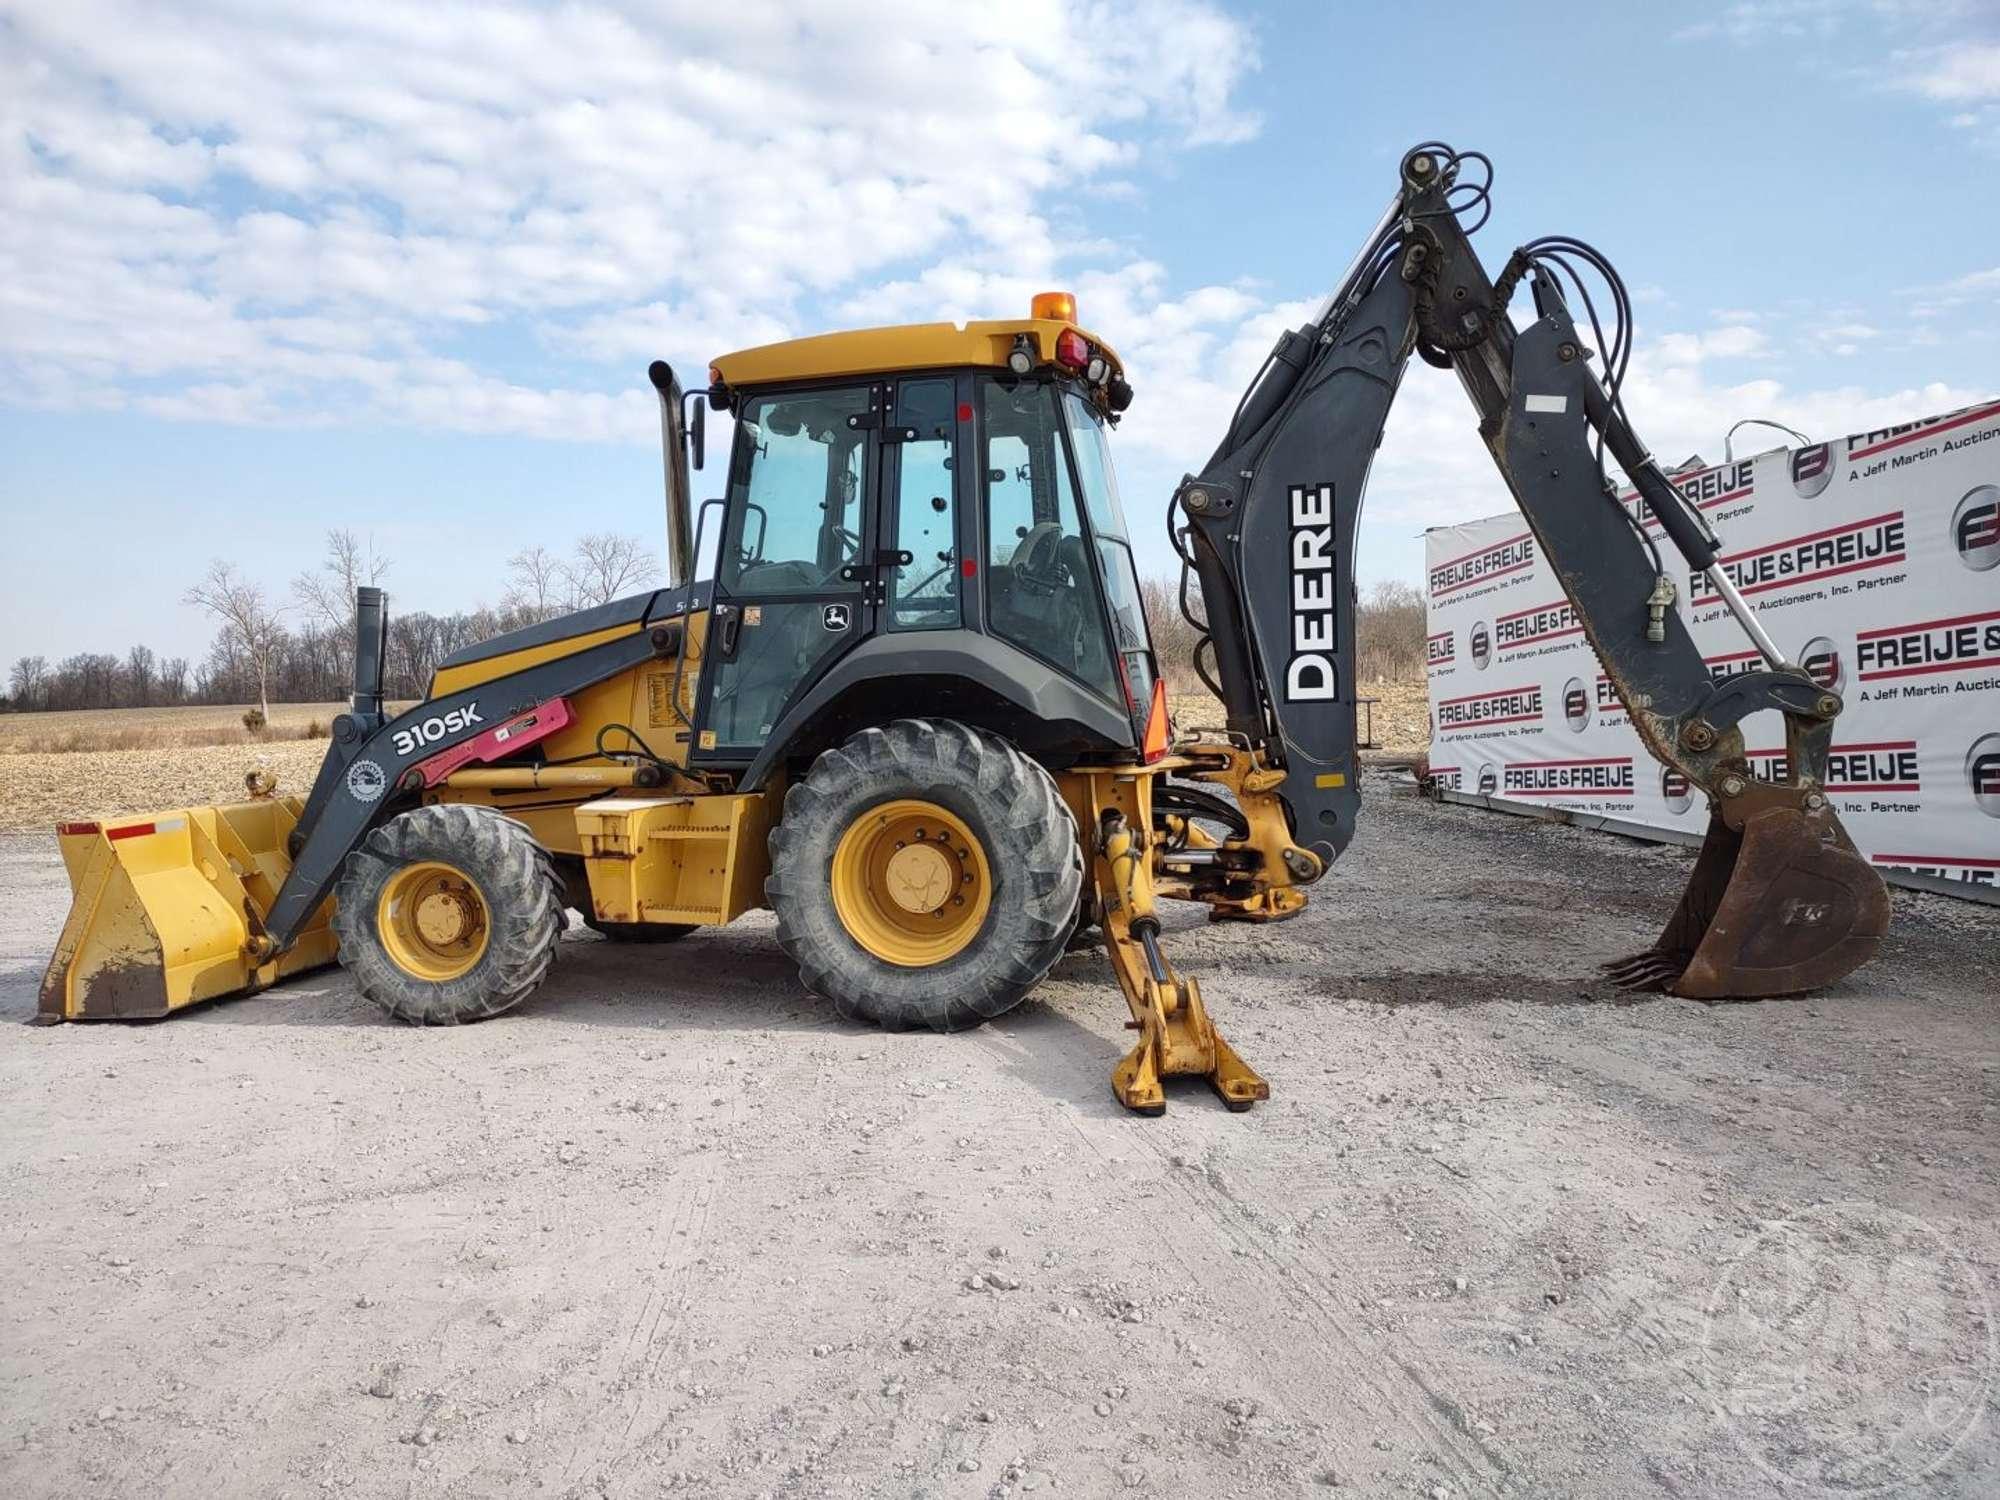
1966	71
337	213
197	194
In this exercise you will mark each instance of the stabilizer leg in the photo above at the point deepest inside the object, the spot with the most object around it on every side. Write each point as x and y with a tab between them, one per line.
1175	1033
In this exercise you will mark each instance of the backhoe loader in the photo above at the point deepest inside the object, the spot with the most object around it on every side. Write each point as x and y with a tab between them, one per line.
900	690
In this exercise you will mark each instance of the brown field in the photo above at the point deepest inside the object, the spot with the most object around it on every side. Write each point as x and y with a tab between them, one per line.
1401	716
106	762
77	730
39	790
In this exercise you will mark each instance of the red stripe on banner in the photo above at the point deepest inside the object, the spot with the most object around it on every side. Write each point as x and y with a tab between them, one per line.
1484	723
1884	745
1600	760
1495	693
1936	666
1923	625
1452	588
1923	432
1536	640
1853	788
1482	551
1792	583
1531	609
1815	536
1567	791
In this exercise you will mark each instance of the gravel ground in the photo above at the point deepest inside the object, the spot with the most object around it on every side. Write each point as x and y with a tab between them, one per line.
673	1228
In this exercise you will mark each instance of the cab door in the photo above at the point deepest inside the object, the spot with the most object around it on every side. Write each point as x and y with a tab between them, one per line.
841	520
793	574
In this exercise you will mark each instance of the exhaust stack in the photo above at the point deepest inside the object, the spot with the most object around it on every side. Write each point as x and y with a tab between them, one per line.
371	644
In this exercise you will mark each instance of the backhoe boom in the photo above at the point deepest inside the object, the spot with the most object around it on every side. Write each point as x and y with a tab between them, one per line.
1780	901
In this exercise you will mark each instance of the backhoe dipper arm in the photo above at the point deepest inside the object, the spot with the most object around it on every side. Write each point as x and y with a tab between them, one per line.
1270	528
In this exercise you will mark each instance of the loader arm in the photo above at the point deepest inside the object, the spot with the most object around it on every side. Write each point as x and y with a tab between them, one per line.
1780	901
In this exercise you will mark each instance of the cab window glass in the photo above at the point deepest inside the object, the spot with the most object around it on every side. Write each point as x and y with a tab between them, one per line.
1041	587
1114	553
923	593
795	492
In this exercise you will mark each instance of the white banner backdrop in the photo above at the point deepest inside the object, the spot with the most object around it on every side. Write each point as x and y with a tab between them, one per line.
1873	560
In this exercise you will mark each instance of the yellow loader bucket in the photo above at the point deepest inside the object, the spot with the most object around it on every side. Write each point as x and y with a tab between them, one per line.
168	910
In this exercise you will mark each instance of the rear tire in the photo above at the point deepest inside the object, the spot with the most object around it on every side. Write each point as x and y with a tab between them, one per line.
997	831
448	913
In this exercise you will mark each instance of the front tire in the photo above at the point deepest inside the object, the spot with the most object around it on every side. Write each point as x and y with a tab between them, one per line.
448	913
924	874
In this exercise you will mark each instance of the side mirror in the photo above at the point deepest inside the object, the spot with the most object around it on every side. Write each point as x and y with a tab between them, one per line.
697	429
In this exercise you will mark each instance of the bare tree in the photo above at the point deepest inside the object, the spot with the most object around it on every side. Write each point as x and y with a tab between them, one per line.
141	666
1389	632
253	626
606	566
173	680
29	682
536	583
326	597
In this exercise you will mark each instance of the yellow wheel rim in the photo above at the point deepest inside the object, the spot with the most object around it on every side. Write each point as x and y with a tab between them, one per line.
910	883
433	921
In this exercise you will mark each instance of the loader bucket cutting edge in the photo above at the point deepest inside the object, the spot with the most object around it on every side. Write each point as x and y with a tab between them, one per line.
1783	906
164	907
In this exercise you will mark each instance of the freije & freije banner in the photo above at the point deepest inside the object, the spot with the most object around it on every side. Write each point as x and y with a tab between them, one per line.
1874	562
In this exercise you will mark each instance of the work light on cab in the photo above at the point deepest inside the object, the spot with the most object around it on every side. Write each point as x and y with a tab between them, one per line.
1053	307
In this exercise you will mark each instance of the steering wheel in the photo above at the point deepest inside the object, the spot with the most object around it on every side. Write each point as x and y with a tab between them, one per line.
1037	561
917	589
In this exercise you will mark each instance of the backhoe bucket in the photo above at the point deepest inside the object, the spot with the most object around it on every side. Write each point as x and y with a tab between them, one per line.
168	910
1779	902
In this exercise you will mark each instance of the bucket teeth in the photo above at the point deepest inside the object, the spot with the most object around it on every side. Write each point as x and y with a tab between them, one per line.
1781	904
1652	970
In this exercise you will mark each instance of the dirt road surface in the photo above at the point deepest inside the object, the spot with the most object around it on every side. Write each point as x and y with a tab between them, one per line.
673	1228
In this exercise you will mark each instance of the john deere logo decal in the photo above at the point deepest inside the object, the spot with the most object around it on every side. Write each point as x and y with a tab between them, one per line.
366	781
1982	772
1975	529
1812	470
835	617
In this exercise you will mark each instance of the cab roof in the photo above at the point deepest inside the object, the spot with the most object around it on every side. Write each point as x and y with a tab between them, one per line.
885	351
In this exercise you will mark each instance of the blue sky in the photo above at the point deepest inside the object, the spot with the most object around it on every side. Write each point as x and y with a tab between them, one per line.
400	269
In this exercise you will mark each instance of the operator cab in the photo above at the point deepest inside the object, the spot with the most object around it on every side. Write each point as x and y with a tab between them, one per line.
932	503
